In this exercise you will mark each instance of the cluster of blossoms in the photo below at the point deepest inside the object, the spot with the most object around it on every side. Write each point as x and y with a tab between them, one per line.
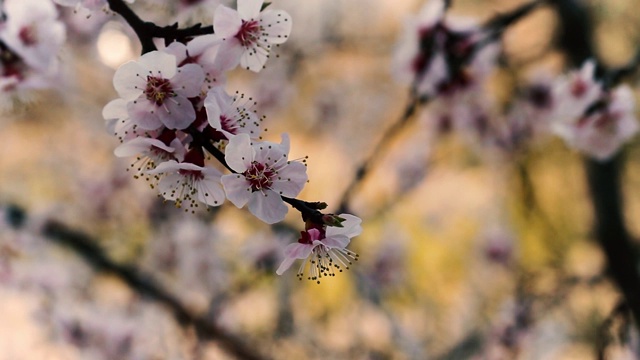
173	109
30	37
448	59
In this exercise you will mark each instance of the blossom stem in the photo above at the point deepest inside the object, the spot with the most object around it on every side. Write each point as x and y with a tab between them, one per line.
147	31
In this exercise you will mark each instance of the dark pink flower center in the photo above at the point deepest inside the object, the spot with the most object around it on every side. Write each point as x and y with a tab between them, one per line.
228	124
28	36
579	88
158	89
309	236
259	176
249	32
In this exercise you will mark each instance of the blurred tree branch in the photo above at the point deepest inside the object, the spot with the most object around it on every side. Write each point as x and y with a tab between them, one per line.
603	178
86	247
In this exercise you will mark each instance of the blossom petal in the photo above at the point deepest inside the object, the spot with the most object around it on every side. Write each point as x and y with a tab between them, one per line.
188	80
249	9
144	113
267	206
336	241
254	59
115	109
350	227
177	113
277	25
210	191
226	22
291	179
237	188
129	80
239	153
159	63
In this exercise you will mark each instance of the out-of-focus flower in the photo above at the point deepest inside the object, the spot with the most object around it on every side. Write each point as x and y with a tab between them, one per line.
157	90
249	33
575	93
86	6
324	247
602	131
264	174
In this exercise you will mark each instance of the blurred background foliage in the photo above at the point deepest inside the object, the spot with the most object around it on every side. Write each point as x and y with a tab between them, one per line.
489	255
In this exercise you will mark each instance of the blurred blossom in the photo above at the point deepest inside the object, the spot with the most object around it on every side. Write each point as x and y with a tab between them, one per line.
608	124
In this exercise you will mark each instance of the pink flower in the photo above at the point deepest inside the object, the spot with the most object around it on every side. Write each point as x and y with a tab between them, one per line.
32	31
325	248
230	115
157	91
602	132
152	151
263	175
574	93
249	33
188	183
205	51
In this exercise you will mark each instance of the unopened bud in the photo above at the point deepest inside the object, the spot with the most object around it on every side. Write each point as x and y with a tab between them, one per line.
333	220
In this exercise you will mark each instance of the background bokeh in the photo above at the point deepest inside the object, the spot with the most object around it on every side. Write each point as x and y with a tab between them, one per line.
467	252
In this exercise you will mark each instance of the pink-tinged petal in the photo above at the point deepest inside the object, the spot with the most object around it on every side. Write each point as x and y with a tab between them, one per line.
202	44
298	251
130	80
335	241
254	61
226	22
166	167
291	179
237	188
215	103
115	109
188	80
350	227
285	265
267	206
144	113
166	186
273	154
159	63
239	153
228	55
249	9
277	25
177	49
140	145
177	113
210	191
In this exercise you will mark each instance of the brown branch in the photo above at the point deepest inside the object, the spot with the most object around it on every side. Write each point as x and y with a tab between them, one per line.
144	284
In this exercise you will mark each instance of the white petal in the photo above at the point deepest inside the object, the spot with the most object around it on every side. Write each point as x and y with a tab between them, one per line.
115	109
285	265
166	186
298	251
177	113
350	227
277	25
249	9
129	80
214	105
210	191
159	63
226	22
267	206
140	145
188	80
291	179
144	113
336	241
254	59
239	153
237	188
